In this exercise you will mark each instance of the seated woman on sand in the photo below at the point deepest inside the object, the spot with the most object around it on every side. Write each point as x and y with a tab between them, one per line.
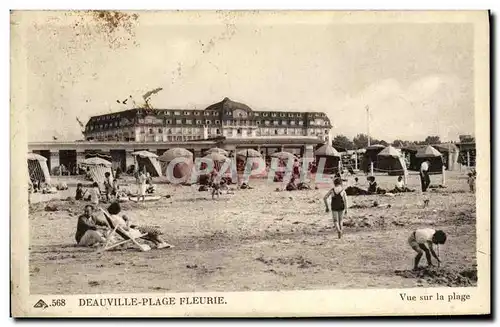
152	233
400	186
80	192
89	230
291	185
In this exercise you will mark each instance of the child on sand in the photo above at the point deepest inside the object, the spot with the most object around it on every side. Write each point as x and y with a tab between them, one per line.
338	204
422	240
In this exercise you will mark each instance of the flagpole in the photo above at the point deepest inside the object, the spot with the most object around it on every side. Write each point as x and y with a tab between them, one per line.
368	122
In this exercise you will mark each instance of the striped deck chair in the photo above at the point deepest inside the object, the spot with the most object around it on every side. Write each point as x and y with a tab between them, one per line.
122	233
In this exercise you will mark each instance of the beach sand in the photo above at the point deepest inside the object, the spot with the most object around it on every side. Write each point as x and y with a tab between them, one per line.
259	240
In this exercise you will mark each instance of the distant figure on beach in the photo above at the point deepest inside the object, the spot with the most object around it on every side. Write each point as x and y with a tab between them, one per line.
471	180
94	194
422	240
80	192
425	180
142	186
108	185
338	204
89	229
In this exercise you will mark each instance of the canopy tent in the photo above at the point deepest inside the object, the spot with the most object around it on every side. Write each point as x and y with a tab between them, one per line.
391	160
433	156
217	150
242	157
428	152
37	168
97	168
149	161
331	158
326	150
181	170
370	156
249	153
174	153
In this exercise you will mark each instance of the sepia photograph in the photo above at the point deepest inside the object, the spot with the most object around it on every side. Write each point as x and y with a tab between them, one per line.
230	163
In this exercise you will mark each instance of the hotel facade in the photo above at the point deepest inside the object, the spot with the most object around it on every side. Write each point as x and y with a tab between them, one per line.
227	124
226	118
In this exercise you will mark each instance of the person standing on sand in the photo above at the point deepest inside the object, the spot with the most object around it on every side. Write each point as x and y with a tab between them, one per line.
422	240
338	204
425	180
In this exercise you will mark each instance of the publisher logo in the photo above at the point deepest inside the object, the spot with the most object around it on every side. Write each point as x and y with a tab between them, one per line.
41	304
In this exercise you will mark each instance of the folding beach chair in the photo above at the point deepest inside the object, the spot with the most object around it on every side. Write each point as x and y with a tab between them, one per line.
115	229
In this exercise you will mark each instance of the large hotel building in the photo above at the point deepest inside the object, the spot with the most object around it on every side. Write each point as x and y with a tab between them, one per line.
226	118
226	124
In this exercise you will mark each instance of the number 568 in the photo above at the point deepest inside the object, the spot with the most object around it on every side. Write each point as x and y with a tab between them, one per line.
58	303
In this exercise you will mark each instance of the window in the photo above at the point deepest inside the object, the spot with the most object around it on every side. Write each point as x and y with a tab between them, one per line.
275	132
283	122
178	121
151	131
189	121
229	113
186	112
326	131
167	113
169	131
106	125
290	115
266	122
282	114
273	114
169	121
196	113
301	123
218	131
198	122
142	131
258	122
239	131
275	122
292	122
265	114
215	113
208	122
256	114
217	122
160	130
206	113
177	113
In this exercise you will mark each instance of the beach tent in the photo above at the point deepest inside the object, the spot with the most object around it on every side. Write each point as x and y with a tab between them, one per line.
432	155
181	170
148	160
391	160
174	153
242	157
37	168
217	150
97	168
370	156
331	157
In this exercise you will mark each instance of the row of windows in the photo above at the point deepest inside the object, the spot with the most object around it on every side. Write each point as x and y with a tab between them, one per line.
209	122
214	113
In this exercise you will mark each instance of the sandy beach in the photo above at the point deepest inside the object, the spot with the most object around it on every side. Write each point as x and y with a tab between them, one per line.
258	240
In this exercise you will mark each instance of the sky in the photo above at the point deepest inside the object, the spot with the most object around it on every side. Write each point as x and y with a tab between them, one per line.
417	79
